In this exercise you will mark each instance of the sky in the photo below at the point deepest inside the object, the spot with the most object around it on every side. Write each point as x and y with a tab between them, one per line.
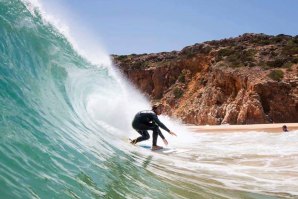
137	26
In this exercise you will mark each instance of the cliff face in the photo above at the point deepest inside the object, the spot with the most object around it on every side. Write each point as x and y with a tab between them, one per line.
245	80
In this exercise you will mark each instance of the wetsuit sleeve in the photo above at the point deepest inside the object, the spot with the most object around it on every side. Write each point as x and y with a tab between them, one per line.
159	123
161	135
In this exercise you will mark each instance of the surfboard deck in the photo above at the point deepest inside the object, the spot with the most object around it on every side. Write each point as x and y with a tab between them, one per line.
165	150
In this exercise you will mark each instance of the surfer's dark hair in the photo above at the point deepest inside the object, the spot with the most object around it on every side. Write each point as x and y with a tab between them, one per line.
155	106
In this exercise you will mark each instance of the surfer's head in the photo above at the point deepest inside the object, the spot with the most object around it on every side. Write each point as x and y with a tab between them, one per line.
157	108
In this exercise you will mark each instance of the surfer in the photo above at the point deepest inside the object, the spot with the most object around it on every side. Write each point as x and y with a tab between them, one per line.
148	120
285	128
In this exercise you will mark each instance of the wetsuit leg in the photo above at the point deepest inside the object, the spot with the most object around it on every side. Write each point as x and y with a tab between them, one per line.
140	127
156	132
155	136
144	136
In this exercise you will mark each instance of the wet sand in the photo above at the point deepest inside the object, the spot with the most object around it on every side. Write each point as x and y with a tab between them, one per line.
271	128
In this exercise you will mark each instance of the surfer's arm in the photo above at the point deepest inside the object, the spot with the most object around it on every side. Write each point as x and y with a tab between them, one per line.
161	135
160	124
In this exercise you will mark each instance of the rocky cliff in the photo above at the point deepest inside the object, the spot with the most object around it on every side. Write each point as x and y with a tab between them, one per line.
249	79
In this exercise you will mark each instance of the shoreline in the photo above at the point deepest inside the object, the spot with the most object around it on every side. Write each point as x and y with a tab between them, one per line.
270	128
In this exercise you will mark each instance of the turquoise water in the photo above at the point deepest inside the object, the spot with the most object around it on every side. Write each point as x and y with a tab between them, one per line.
49	149
64	124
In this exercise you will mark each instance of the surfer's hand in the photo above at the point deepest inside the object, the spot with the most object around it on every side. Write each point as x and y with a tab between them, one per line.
165	141
172	133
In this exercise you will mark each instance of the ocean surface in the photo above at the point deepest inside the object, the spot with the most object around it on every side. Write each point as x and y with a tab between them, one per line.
65	121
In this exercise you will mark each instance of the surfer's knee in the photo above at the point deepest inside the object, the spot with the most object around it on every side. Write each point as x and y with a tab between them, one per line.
146	136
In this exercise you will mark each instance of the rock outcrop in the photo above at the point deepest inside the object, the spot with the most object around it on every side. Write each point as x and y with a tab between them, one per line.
245	80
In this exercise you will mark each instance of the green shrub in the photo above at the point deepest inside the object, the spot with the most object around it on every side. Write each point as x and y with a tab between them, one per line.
276	63
121	57
140	65
276	75
248	55
291	48
181	78
289	69
189	52
261	41
241	58
206	50
295	60
264	42
287	65
234	61
276	39
295	40
225	52
178	93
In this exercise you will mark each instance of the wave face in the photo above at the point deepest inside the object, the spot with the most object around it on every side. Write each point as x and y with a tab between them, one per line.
60	115
65	121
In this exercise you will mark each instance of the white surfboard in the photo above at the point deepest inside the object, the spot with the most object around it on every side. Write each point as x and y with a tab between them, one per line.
166	150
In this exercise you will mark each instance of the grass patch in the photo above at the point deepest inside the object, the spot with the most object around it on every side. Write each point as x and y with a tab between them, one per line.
276	75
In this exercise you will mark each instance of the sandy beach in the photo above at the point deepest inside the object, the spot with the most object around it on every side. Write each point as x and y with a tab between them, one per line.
270	128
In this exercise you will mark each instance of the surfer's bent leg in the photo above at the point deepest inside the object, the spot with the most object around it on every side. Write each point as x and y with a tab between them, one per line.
144	136
142	128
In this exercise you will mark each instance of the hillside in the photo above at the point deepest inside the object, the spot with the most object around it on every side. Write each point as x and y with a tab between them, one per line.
249	79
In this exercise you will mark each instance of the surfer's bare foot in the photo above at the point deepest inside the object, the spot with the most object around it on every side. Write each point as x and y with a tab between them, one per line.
133	142
156	148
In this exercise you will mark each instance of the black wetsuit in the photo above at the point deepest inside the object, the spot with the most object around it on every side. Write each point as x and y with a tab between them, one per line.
148	120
